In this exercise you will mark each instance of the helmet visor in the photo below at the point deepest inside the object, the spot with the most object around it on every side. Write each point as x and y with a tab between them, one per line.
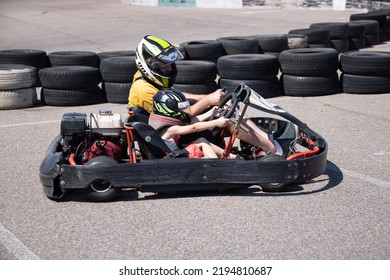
185	107
167	56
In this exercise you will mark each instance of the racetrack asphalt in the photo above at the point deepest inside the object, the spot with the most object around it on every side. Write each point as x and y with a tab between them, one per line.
343	214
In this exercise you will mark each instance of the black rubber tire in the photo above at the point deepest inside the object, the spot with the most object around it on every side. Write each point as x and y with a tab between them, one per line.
310	85
103	55
380	18
356	29
272	187
70	58
338	30
197	88
267	88
240	45
209	50
248	66
69	77
315	36
371	31
370	26
91	192
16	76
116	92
309	61
364	84
17	98
365	63
272	43
118	69
195	72
35	58
71	97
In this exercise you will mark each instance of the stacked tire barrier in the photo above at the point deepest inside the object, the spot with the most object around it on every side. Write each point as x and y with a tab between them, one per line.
356	36
272	44
77	58
381	18
117	74
70	85
317	38
72	80
365	72
304	57
196	76
35	58
209	50
309	72
240	45
19	77
338	34
371	34
17	86
258	71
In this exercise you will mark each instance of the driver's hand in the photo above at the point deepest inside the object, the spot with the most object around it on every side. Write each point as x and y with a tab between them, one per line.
215	97
222	122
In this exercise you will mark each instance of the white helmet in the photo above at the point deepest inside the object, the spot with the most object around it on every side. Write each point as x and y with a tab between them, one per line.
151	54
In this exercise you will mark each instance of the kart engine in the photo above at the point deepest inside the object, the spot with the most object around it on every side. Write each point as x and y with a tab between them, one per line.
100	135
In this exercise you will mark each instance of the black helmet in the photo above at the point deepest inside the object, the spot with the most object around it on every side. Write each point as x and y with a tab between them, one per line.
172	103
152	53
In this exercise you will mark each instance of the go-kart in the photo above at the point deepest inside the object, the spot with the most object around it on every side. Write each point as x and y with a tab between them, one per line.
102	155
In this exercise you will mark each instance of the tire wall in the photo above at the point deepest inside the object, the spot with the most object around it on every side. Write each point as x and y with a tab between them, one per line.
320	59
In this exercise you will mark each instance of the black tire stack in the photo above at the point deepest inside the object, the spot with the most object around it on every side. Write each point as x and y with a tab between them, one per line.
209	50
240	45
356	36
371	34
365	72
338	36
196	76
70	85
258	71
379	16
309	72
317	38
73	79
272	44
117	73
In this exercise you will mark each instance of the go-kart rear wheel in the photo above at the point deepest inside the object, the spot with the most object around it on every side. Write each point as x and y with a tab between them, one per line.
101	190
272	187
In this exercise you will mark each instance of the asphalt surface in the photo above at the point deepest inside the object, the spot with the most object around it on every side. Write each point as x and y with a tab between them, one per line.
343	214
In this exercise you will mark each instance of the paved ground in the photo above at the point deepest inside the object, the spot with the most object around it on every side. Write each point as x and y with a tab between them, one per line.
343	214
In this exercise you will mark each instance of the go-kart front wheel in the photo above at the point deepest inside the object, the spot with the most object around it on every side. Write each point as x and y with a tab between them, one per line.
272	187
101	190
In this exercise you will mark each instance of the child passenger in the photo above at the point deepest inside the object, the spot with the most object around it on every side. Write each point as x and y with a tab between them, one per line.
171	118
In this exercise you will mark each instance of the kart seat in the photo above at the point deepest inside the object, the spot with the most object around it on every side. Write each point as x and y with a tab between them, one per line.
150	142
137	118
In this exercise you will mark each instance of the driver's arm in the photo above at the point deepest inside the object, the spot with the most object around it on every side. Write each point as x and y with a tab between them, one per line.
195	127
205	116
204	101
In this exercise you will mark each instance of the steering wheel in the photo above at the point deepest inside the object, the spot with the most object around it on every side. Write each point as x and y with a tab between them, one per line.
229	110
